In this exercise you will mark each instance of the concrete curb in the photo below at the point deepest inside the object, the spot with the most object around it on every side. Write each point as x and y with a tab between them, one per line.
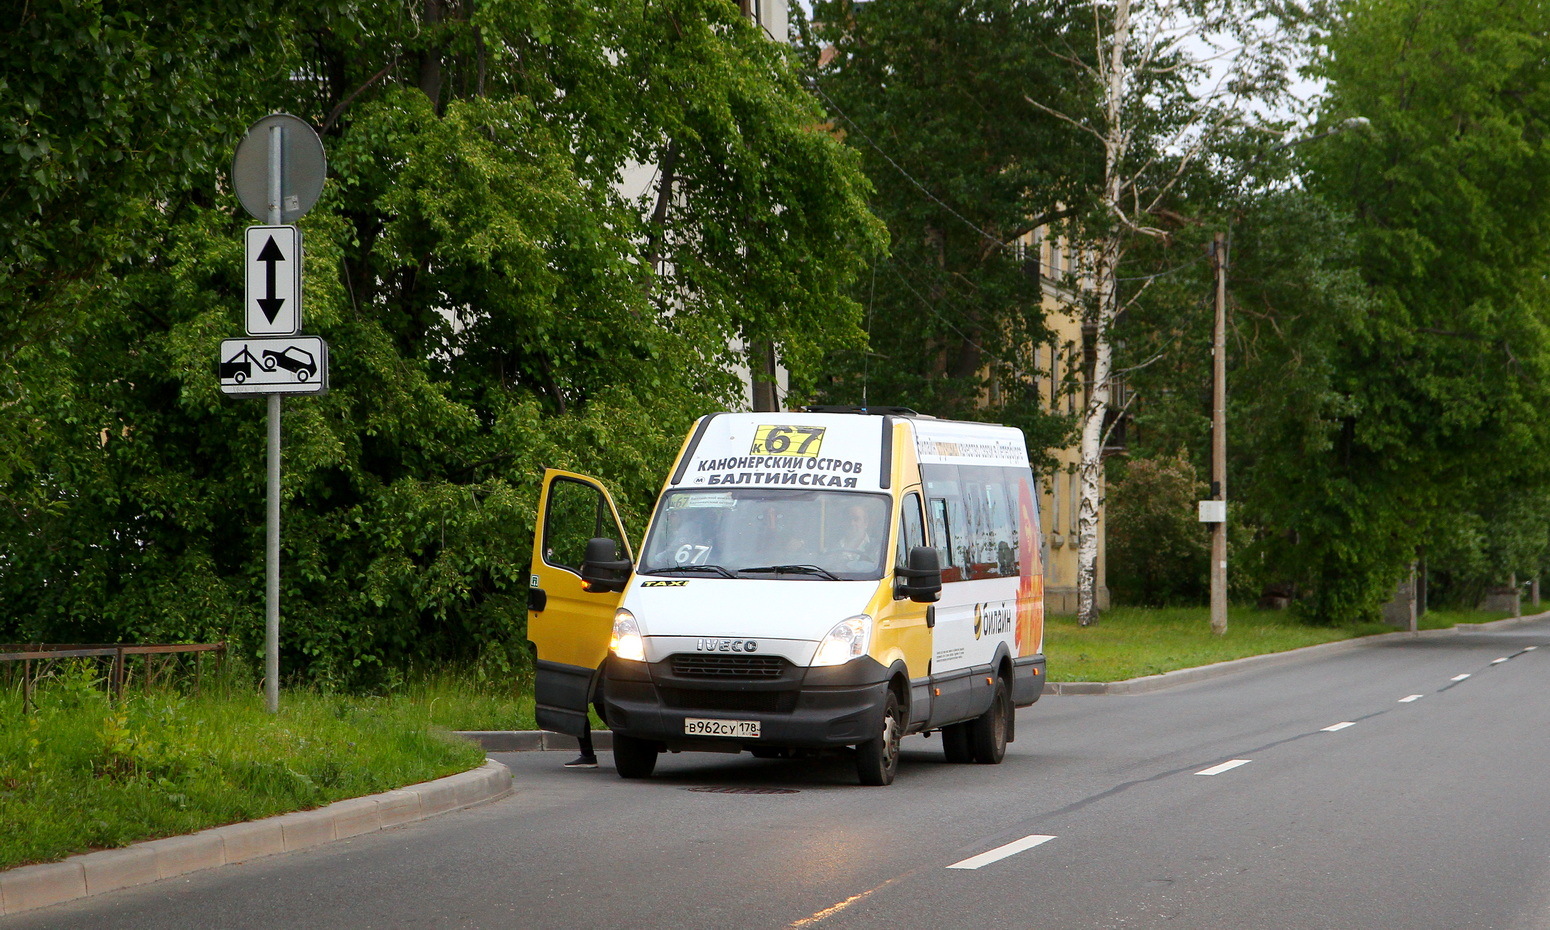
532	740
1183	676
33	886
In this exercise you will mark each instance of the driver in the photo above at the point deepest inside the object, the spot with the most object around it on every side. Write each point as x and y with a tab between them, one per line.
856	530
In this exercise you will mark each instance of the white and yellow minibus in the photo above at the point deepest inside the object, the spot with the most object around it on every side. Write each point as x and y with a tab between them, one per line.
831	579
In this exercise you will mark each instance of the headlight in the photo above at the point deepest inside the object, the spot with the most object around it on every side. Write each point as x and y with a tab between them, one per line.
848	640
626	642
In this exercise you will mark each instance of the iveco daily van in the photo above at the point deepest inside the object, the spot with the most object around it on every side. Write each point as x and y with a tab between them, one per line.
825	580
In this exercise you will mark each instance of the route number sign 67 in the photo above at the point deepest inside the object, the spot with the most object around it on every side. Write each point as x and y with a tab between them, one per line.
787	440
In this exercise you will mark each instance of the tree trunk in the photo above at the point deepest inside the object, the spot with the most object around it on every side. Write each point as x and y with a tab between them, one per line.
1111	248
1094	415
762	372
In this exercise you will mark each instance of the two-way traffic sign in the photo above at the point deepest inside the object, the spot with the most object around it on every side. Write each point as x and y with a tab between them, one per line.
272	304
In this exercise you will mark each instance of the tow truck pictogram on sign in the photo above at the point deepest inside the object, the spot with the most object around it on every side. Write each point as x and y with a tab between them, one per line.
286	365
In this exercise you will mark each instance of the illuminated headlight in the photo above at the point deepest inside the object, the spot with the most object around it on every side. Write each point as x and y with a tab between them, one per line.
626	642
848	640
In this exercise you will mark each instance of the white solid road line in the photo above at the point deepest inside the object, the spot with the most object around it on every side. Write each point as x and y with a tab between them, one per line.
1339	726
1224	767
1458	677
1001	852
1411	699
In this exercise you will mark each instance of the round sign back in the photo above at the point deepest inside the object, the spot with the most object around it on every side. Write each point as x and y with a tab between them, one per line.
302	168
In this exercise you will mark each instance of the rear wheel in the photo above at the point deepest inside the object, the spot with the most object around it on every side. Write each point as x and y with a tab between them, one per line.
988	731
877	759
634	758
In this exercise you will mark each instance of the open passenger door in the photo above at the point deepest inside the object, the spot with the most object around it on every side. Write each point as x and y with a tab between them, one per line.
581	562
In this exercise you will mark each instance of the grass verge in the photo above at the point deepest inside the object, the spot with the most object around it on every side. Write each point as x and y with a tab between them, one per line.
462	698
1131	642
83	773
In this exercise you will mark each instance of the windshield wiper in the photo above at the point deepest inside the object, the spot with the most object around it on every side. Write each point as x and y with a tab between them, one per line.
717	569
818	570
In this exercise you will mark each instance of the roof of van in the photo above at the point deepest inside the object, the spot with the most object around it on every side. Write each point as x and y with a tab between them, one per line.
825	448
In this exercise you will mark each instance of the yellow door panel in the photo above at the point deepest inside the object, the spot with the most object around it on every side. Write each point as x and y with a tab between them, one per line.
572	624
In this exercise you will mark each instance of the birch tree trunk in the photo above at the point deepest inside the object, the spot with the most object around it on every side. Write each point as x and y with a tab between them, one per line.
1116	138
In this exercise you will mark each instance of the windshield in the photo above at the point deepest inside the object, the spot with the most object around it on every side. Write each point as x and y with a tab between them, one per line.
761	529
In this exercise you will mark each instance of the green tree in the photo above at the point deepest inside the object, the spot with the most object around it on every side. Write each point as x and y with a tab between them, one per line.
494	301
1435	393
1157	547
933	96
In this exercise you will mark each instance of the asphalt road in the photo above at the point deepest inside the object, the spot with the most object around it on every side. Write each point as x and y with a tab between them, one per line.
1375	788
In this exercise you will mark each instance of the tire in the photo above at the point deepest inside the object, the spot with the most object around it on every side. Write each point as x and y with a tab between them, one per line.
877	759
634	758
955	743
988	731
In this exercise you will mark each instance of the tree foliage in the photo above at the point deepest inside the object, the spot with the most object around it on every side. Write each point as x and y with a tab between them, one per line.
1157	548
933	95
494	297
1387	308
1435	394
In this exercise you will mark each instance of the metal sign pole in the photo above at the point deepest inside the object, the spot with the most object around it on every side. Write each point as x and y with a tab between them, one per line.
277	173
272	535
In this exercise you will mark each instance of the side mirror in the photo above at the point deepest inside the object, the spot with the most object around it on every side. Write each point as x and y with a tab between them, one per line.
602	569
921	580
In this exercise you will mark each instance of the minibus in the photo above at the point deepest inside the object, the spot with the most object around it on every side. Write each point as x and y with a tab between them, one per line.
810	582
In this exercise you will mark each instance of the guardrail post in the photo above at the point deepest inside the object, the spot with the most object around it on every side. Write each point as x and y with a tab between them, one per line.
27	687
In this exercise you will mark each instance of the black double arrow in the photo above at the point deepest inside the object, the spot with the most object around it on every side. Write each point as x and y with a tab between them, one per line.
271	304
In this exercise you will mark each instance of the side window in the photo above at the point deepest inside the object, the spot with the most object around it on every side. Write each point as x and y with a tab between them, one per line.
912	528
577	512
941	532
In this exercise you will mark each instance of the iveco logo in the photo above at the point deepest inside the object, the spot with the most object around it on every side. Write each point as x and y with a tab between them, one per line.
726	645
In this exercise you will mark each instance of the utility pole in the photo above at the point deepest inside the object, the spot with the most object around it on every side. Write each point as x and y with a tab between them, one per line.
1219	439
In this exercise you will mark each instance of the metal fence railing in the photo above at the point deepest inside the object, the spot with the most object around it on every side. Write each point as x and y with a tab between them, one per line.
37	655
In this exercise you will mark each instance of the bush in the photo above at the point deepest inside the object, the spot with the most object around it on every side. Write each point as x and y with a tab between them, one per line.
1159	552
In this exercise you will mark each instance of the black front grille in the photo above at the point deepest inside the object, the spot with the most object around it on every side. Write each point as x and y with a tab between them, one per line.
695	699
728	667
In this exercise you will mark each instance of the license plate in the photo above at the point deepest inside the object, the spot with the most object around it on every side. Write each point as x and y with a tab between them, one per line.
741	729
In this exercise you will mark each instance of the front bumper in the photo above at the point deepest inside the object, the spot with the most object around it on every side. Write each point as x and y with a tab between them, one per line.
798	708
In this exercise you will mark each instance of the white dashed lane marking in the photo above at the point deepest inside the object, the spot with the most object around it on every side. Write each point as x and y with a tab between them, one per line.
1411	699
1224	767
1001	852
1339	726
1458	677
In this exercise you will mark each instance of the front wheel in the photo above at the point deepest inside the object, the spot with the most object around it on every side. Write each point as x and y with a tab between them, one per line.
634	758
877	759
988	731
955	743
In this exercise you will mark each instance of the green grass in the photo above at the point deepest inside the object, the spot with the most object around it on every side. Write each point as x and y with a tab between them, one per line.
1129	642
85	773
464	699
